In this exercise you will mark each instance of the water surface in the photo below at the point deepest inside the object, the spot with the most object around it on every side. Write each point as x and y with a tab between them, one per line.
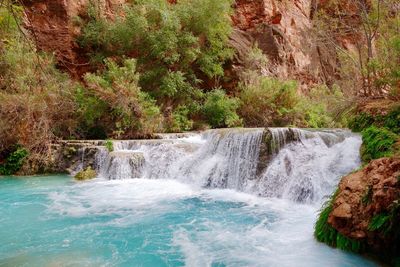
55	221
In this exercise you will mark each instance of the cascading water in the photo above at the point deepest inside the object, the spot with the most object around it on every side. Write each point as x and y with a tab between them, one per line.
237	197
303	165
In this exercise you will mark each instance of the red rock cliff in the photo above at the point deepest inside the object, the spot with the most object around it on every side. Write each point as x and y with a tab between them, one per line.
282	29
51	23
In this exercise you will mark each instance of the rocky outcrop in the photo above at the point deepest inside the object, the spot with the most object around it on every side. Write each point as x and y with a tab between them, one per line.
52	24
366	207
283	31
73	156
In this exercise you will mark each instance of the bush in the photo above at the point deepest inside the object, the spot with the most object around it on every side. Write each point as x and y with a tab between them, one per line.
268	102
392	120
37	103
364	120
122	107
109	145
220	110
180	120
272	102
361	121
174	45
378	143
14	161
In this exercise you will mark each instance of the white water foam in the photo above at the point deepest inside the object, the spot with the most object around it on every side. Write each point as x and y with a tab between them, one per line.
305	165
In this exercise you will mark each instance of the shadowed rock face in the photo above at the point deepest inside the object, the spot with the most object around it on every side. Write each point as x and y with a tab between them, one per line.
51	24
364	194
282	30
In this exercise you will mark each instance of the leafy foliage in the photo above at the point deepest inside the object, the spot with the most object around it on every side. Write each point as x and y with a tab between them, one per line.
364	120
174	44
117	91
270	101
109	145
220	110
14	161
378	143
37	102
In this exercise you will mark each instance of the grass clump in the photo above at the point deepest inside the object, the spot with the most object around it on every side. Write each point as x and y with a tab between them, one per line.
363	120
378	143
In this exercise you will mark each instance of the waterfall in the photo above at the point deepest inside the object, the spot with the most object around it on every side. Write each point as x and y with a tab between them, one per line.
298	164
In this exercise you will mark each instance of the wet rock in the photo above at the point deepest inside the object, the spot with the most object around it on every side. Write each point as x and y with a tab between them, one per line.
87	174
369	192
118	169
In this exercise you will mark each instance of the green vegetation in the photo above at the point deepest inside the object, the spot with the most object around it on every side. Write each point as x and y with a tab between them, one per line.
176	46
125	109
109	145
390	121
378	143
37	101
14	161
325	233
87	174
269	101
220	110
161	67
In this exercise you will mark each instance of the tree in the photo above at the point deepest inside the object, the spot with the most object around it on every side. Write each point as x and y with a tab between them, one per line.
355	29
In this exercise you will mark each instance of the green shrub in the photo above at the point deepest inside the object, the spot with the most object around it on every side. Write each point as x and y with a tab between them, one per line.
364	120
273	102
220	110
121	105
361	121
268	102
109	145
378	143
174	45
14	161
392	120
180	120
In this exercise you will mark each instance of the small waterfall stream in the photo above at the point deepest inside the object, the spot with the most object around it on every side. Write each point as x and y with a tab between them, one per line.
296	164
228	197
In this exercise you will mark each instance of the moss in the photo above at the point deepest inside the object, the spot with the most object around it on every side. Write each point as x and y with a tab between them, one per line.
325	233
87	174
378	143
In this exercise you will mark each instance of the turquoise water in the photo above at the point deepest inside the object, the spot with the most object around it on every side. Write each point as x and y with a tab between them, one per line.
54	221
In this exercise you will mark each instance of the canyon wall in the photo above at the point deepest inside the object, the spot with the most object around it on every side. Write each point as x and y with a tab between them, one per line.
53	27
281	29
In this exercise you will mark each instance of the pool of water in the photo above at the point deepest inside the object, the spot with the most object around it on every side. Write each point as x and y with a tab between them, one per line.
55	221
